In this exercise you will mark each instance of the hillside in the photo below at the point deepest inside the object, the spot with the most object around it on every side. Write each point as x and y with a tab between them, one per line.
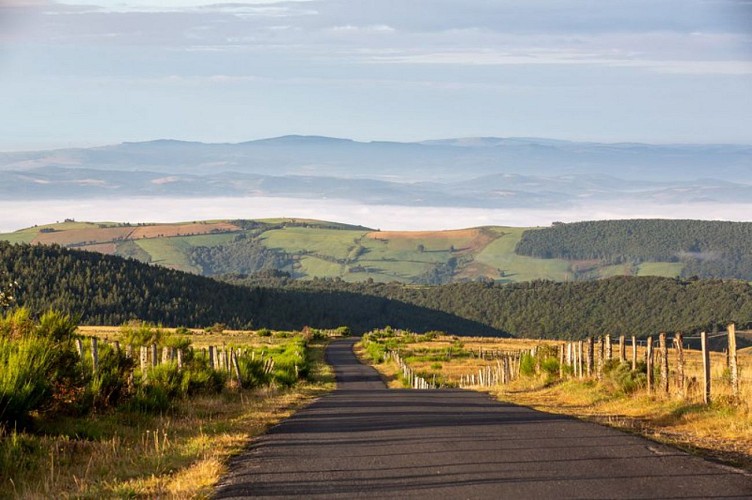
707	249
110	290
309	249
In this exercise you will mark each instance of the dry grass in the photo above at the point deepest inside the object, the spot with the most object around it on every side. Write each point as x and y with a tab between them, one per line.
180	454
722	430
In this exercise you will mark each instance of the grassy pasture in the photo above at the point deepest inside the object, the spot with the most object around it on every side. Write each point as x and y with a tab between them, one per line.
168	253
499	255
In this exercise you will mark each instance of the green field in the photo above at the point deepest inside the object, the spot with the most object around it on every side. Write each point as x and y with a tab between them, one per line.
321	249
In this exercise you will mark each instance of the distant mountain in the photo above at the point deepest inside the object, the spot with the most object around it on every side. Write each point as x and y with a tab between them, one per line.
483	172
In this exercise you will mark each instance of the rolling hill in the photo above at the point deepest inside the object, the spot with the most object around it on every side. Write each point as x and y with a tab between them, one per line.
308	249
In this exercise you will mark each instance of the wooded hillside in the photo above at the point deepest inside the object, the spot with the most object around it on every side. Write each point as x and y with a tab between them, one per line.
714	249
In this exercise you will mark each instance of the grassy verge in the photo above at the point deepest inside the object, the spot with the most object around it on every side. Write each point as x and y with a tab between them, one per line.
179	454
721	431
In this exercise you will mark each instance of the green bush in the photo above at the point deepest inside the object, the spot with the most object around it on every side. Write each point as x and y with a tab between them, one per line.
252	372
198	377
140	333
108	386
57	326
527	365
27	368
622	378
264	332
158	387
550	366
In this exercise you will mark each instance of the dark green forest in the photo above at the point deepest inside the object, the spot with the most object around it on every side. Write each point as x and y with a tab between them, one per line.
108	290
716	249
111	290
630	305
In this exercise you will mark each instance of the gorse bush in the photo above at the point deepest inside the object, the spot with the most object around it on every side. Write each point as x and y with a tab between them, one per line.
622	378
38	365
527	365
26	366
109	385
141	333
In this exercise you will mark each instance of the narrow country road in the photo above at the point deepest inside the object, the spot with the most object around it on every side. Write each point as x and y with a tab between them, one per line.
363	440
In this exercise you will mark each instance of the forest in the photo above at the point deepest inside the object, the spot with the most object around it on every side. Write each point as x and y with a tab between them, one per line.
717	249
111	290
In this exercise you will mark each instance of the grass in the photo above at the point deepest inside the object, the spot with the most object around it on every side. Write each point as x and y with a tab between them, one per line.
500	255
665	269
169	252
334	243
179	454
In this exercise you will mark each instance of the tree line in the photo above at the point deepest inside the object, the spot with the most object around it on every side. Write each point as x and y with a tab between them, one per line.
708	249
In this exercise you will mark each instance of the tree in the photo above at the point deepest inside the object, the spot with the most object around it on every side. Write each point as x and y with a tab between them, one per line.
7	291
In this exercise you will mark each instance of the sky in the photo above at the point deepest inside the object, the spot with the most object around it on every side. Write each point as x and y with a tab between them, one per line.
92	72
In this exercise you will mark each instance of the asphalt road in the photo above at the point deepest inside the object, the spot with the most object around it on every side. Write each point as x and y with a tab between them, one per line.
364	440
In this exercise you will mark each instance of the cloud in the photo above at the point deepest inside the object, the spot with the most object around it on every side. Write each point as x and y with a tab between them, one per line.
16	215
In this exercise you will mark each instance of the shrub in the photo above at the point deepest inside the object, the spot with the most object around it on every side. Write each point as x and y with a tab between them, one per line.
199	378
623	378
343	331
527	365
109	385
57	326
158	388
141	333
26	382
550	366
264	332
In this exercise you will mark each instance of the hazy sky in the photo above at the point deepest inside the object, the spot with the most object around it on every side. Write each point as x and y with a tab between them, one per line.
88	72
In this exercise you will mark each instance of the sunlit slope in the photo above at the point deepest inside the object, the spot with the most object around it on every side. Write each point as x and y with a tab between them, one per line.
308	249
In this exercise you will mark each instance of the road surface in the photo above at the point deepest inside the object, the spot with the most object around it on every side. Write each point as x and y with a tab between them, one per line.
364	440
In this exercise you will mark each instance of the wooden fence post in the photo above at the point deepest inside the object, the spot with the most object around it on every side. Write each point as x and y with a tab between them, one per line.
649	361
154	355
590	349
664	362
622	349
679	344
80	348
94	353
561	361
211	357
733	366
634	352
607	347
144	360
237	369
580	349
705	368
180	359
600	353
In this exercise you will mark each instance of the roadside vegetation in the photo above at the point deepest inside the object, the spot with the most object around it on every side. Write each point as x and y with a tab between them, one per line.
619	397
74	423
